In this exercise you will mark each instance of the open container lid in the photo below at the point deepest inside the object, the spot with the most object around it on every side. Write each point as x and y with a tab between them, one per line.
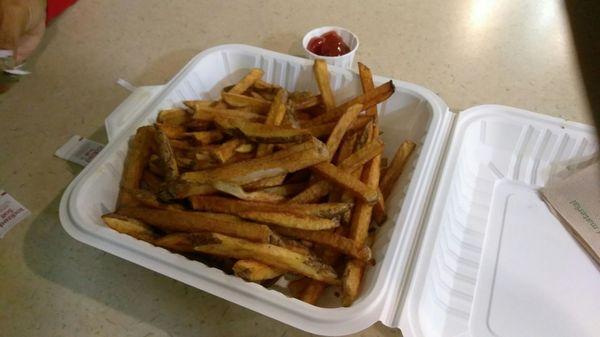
493	260
488	258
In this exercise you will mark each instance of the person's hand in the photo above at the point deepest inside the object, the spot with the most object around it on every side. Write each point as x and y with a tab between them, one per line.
22	26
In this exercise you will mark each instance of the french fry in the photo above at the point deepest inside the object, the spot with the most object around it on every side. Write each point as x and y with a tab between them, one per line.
379	214
346	181
302	103
291	159
137	158
165	152
238	191
261	133
129	226
179	189
297	286
227	246
275	117
396	167
192	222
151	181
291	220
369	99
232	206
313	193
254	271
208	114
313	290
149	199
285	190
241	101
226	150
335	138
253	76
206	137
196	104
173	116
366	81
245	148
322	77
325	129
362	156
328	239
172	131
262	85
265	182
351	282
178	144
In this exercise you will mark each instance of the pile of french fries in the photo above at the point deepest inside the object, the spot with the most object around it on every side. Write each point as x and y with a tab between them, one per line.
264	183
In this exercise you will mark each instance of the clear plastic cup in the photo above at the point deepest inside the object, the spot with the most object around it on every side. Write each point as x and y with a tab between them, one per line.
347	36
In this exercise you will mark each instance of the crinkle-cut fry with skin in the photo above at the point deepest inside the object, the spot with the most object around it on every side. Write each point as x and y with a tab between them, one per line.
131	227
329	239
291	220
173	116
396	167
138	156
227	246
275	117
233	206
254	271
208	114
261	133
166	155
369	99
238	192
249	80
192	222
292	159
322	77
241	101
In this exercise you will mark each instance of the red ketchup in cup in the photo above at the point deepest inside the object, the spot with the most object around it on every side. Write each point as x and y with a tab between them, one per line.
328	44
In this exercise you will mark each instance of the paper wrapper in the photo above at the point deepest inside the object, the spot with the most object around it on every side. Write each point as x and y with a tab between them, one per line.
574	198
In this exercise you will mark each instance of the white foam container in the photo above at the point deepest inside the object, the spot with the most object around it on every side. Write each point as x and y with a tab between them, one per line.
469	248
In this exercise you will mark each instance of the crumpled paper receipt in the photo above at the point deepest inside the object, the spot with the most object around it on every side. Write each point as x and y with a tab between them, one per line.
15	70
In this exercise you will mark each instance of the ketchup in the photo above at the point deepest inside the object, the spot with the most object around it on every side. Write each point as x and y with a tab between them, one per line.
328	44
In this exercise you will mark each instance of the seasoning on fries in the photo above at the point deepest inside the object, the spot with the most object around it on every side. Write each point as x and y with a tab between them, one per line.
265	183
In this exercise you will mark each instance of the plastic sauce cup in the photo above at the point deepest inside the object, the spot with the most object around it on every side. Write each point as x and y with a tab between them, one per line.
347	36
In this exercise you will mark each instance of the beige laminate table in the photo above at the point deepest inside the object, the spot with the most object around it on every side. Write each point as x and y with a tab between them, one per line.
517	53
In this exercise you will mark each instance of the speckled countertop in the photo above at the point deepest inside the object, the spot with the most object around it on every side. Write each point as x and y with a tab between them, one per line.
516	53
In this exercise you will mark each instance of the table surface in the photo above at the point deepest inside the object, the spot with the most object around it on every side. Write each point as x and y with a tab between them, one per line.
517	53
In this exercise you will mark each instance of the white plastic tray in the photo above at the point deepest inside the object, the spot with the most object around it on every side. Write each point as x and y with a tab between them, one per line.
450	279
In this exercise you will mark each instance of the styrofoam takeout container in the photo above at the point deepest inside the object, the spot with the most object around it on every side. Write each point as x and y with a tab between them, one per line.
469	248
344	61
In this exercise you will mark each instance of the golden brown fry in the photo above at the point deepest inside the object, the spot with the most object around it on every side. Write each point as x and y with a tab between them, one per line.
129	226
149	199
253	76
178	144
321	130
322	77
366	81
351	282
254	271
265	182
336	136
328	239
275	117
181	189
223	245
226	150
173	116
369	99
151	181
362	156
379	214
208	114
191	222
291	159
245	148
296	287
232	206
262	85
172	131
346	181
312	193
285	190
206	137
290	220
196	104
238	191
306	102
261	133
137	158
167	157
241	101
396	167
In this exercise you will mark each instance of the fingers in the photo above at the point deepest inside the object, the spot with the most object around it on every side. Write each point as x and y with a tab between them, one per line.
29	42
